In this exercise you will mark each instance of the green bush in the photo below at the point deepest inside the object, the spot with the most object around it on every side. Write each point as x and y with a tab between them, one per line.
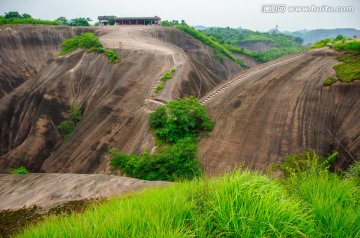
329	80
350	46
159	87
306	161
175	162
354	172
100	50
20	170
179	119
340	38
167	75
75	113
177	126
81	21
320	43
112	56
84	41
91	43
66	127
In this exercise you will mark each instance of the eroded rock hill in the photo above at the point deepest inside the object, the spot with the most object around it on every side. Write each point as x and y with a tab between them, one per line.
279	108
115	98
25	50
261	114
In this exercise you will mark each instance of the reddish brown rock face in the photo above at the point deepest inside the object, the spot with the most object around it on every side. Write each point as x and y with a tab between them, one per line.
115	98
261	115
281	109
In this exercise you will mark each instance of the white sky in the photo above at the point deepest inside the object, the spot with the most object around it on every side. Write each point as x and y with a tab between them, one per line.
233	13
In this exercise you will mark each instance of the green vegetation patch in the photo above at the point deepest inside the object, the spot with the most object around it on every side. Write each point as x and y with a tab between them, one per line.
112	56
167	75
350	46
17	18
68	126
174	162
320	43
91	43
177	126
20	170
315	203
85	41
179	119
296	163
216	46
329	80
349	70
339	43
232	38
159	87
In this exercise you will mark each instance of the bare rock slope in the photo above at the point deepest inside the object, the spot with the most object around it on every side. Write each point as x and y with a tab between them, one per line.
280	108
48	190
25	50
115	99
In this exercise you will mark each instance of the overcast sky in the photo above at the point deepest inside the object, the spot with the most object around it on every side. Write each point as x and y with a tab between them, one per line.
234	13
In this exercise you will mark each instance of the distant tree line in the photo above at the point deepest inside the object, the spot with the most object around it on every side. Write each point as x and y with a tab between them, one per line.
15	17
81	21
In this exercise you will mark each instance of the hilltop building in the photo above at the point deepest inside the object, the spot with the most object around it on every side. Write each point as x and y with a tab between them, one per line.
104	20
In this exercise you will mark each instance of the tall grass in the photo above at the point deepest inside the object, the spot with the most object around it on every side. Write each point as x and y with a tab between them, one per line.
241	204
332	201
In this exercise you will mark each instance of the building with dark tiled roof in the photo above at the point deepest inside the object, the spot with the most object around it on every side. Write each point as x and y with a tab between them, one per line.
104	20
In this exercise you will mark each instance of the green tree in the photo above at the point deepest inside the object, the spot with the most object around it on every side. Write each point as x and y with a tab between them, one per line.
166	23
178	124
9	15
179	119
62	20
340	38
86	41
25	16
177	161
79	22
298	40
